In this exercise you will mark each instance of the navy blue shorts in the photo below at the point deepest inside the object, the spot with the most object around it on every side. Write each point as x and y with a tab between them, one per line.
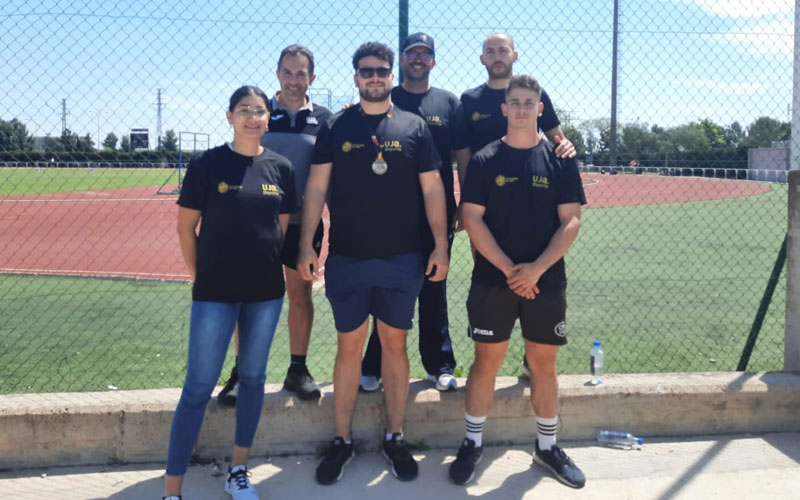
385	288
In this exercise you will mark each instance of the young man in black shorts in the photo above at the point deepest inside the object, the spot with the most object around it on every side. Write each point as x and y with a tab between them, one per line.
522	210
482	120
372	162
291	132
441	111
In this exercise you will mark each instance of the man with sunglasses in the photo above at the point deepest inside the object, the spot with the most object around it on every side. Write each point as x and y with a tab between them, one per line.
372	162
441	111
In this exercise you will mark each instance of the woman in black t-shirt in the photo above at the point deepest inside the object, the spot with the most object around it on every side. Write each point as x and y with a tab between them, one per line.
244	195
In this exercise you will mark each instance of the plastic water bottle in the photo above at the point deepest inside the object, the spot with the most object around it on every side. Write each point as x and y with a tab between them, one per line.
597	362
618	439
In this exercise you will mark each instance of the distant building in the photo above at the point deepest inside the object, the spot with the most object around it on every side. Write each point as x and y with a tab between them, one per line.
768	164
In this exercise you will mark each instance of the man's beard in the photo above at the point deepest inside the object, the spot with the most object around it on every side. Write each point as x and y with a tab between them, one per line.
504	73
380	97
409	75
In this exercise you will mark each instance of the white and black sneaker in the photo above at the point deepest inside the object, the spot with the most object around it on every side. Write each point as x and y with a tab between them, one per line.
369	383
338	454
462	470
445	382
238	484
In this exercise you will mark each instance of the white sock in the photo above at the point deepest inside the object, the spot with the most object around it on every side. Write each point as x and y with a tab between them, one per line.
547	428
475	428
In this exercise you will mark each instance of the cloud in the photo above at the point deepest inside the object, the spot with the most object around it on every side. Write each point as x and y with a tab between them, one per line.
727	88
745	8
765	38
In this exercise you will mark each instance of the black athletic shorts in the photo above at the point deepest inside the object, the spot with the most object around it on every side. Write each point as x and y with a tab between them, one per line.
493	310
291	244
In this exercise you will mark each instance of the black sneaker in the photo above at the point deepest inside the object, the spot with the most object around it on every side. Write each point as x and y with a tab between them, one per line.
336	457
396	452
557	462
227	396
302	384
462	470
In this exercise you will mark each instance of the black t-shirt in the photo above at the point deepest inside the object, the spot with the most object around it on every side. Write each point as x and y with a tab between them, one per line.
238	248
441	110
375	216
293	136
483	120
521	190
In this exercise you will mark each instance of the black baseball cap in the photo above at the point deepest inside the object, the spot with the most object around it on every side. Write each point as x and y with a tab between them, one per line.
418	40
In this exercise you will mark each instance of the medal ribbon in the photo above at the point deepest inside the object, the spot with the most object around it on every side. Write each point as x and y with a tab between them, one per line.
375	141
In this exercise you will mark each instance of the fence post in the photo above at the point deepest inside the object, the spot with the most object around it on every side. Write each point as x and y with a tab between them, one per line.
791	355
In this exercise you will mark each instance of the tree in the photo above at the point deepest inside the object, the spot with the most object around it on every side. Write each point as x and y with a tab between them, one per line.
734	134
591	131
574	135
714	134
69	141
51	144
85	143
125	144
689	138
170	142
637	141
110	141
762	132
14	136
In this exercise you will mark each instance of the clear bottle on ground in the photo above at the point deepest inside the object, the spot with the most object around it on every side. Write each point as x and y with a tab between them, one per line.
597	363
618	439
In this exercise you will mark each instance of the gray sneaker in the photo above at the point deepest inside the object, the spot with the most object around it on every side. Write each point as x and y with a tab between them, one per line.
562	467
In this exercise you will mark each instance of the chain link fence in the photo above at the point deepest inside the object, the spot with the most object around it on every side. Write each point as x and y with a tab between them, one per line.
103	103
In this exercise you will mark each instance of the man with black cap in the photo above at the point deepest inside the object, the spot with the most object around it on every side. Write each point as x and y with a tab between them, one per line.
441	111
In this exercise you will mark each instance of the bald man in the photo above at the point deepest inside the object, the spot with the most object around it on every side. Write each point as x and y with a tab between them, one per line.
483	121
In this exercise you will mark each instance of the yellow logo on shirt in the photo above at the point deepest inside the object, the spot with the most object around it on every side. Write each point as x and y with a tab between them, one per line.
392	146
270	190
541	181
348	146
223	187
434	120
478	116
501	180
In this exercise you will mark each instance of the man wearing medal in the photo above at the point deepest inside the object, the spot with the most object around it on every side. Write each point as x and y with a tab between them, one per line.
441	111
372	162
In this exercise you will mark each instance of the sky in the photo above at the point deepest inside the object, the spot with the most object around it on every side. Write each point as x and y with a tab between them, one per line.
679	60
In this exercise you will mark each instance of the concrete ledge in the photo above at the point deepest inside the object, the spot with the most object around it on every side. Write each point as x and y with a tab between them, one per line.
133	426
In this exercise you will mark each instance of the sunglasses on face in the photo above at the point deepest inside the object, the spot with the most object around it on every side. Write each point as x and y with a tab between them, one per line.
367	72
422	56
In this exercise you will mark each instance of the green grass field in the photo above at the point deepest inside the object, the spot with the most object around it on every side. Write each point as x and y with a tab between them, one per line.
22	181
665	287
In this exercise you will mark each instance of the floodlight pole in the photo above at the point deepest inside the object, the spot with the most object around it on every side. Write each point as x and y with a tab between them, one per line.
402	33
612	146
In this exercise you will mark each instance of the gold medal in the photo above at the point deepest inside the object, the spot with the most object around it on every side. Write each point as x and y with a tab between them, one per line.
379	166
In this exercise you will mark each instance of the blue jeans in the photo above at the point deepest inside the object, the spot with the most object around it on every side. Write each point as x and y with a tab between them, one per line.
210	330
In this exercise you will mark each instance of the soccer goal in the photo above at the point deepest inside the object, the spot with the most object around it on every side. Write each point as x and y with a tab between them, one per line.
196	141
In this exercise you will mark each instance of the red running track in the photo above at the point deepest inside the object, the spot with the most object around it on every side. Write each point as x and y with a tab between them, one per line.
131	232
